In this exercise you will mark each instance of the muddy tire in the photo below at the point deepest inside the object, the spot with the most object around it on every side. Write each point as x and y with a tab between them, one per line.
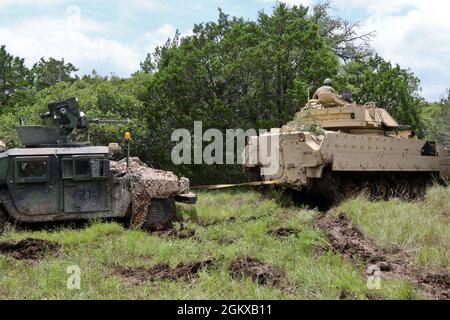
3	221
160	215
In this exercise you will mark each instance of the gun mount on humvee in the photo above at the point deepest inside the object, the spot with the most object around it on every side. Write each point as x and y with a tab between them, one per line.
54	178
345	149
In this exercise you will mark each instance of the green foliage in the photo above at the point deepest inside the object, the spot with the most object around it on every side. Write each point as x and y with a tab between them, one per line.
391	87
230	73
420	228
15	79
49	72
436	118
342	36
113	98
235	73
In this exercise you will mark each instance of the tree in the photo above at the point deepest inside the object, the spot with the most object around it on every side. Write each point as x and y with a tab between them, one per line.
391	87
14	79
235	73
341	35
436	118
49	72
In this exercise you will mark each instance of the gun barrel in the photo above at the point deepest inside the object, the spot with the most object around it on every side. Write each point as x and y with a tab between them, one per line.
109	121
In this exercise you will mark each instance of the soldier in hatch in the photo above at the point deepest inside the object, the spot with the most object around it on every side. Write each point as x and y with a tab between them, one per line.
327	96
325	88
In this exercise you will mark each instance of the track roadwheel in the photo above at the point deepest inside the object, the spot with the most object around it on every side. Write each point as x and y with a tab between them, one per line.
365	189
380	190
402	189
417	189
160	215
383	190
348	189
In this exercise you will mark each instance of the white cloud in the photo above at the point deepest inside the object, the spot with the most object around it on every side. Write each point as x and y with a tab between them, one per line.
415	35
129	7
150	40
10	3
72	38
306	3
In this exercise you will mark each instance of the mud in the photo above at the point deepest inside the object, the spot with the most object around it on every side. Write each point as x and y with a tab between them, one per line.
347	295
175	233
148	183
210	223
282	232
29	249
163	271
259	272
349	241
437	284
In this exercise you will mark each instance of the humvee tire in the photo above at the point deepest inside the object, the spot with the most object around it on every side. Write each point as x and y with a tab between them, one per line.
160	215
3	220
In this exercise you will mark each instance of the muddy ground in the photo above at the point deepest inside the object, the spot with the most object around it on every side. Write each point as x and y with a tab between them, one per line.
175	233
282	232
346	239
259	272
29	249
163	271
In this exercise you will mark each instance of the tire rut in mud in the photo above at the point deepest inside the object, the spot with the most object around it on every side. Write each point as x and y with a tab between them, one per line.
282	232
349	241
175	234
162	271
206	224
259	272
29	249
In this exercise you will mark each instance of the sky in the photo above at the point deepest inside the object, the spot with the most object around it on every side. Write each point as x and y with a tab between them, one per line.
113	36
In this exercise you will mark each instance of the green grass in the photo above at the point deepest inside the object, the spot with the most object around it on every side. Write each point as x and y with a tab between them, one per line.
101	246
421	228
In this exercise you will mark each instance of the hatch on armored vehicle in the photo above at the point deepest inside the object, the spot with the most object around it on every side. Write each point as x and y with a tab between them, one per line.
54	178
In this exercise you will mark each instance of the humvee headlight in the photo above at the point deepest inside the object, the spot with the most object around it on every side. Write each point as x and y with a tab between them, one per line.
301	137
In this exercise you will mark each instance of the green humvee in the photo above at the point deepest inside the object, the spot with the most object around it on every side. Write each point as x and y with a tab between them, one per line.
53	178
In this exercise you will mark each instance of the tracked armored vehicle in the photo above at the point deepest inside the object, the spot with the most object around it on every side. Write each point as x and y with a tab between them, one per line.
340	150
54	178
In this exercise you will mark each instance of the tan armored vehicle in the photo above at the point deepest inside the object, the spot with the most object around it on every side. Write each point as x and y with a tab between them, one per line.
347	148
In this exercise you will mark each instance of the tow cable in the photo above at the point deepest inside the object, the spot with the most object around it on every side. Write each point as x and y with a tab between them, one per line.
223	186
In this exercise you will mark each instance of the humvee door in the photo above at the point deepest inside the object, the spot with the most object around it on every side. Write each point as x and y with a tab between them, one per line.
85	183
33	184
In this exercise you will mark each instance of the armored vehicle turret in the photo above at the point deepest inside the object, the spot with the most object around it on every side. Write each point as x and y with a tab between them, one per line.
55	177
341	150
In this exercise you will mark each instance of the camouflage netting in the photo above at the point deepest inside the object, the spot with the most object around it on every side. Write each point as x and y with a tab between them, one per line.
146	184
293	125
297	125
